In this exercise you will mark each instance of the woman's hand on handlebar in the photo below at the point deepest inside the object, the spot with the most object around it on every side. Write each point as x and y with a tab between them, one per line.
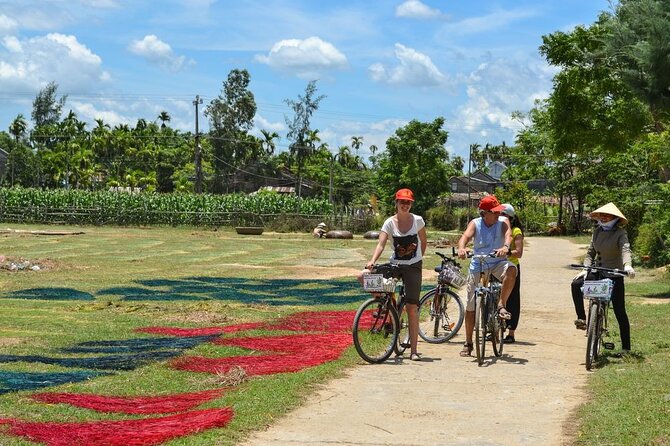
462	253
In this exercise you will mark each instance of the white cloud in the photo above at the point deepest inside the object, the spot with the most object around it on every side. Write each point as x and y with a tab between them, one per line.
306	58
7	25
89	113
261	123
414	9
30	63
414	68
488	23
100	3
157	52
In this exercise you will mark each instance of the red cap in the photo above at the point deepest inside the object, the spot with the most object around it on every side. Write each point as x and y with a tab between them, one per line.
490	203
404	194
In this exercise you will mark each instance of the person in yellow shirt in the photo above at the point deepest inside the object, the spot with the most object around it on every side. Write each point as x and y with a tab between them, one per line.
515	253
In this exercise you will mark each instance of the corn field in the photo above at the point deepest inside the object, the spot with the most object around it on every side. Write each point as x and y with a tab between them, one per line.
19	205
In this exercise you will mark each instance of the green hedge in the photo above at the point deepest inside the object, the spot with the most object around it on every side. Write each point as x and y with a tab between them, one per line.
20	205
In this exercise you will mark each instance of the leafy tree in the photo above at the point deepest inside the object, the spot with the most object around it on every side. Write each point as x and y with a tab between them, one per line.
416	158
47	107
637	39
164	117
231	116
299	126
590	106
18	127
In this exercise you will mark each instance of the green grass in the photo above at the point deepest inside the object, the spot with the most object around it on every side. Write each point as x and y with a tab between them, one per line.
107	282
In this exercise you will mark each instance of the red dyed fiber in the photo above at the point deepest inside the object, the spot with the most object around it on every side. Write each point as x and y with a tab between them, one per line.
131	405
302	351
143	432
291	343
316	321
204	331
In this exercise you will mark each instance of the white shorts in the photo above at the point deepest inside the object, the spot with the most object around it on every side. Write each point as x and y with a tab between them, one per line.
498	271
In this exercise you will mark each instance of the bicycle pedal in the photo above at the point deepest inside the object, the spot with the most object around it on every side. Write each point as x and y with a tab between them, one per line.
608	345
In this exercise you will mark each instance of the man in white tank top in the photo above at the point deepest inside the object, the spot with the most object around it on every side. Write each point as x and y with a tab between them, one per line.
489	235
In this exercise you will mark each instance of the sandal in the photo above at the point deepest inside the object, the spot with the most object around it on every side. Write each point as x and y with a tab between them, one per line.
467	350
580	324
503	313
509	339
415	357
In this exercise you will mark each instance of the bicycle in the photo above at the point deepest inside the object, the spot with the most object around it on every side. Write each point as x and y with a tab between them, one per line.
488	323
381	324
599	294
441	311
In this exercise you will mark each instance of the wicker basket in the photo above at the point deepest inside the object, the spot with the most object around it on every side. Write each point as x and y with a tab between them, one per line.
451	275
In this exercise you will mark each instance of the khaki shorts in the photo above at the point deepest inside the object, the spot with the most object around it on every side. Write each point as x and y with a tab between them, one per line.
474	278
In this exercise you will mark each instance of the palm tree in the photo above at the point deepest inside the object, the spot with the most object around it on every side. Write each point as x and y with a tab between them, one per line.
164	117
18	127
356	143
268	143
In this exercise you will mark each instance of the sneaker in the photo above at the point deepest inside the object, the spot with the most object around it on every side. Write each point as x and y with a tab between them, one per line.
580	324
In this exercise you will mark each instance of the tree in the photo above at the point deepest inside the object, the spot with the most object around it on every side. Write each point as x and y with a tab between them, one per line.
356	143
299	126
47	107
638	42
18	127
268	142
416	158
231	116
590	106
164	117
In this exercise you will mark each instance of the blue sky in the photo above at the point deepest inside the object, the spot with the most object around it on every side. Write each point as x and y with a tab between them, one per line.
380	63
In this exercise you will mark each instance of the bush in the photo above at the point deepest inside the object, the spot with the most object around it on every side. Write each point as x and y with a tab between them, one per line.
651	246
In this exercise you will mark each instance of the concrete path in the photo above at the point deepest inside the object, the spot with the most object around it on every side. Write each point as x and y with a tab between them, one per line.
522	398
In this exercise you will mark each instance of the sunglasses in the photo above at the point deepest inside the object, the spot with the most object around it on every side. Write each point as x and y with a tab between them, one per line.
404	202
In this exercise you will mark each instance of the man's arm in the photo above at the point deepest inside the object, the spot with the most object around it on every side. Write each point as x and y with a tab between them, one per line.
468	234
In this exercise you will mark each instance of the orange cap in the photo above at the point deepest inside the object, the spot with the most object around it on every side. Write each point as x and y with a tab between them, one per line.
404	194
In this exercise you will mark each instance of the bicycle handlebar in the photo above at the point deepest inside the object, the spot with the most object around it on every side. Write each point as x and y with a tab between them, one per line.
614	271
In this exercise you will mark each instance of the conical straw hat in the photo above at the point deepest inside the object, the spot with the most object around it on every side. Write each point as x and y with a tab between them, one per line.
611	209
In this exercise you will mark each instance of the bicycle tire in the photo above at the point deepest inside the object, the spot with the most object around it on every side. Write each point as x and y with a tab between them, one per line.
592	336
480	327
498	335
403	330
375	330
440	316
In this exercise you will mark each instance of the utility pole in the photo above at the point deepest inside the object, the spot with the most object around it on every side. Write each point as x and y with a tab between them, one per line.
198	157
469	176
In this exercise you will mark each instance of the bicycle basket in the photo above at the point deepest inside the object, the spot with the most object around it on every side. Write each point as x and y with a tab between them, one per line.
598	289
451	275
378	283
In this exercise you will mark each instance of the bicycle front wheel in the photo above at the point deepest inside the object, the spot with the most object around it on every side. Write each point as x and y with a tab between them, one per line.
440	316
498	335
592	336
480	327
375	330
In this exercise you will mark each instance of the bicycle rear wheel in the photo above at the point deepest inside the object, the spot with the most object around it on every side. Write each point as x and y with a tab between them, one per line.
375	330
440	316
480	327
403	331
592	340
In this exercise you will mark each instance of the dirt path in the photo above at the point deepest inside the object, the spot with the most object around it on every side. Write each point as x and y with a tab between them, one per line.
522	398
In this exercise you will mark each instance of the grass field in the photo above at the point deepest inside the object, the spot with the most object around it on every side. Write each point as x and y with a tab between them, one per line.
106	283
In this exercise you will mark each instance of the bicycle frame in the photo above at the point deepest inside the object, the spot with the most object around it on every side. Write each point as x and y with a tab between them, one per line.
487	297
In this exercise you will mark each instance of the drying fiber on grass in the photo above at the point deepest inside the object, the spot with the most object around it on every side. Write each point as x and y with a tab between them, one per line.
302	351
131	405
13	381
111	362
316	321
204	331
138	345
141	432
